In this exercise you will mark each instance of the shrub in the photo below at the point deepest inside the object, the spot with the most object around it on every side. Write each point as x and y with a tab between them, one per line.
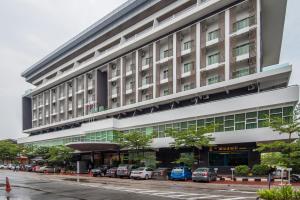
260	170
241	170
282	193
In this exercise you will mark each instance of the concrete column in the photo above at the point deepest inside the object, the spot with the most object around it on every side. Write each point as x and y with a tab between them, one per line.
174	63
50	105
75	97
85	94
137	76
258	36
121	80
198	50
154	70
227	45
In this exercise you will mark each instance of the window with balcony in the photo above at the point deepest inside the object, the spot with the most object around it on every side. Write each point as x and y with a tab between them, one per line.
186	87
187	67
148	61
213	35
242	49
146	80
243	23
165	53
165	73
212	79
212	59
241	72
166	92
187	45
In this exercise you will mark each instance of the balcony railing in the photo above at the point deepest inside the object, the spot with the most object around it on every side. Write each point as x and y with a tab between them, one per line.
249	21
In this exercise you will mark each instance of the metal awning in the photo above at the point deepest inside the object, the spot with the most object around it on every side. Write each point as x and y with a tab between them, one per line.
94	146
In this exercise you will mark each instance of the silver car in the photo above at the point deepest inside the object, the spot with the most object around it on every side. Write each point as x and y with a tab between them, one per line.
204	174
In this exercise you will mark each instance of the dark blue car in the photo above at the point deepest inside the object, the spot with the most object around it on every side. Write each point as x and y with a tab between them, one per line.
181	173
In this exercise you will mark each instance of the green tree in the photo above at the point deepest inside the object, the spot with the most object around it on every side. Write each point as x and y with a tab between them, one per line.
288	152
187	159
59	155
135	141
8	151
193	138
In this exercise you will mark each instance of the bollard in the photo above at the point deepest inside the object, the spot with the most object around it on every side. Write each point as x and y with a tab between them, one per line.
7	185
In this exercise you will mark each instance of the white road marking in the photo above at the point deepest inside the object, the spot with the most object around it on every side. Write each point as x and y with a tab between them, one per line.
204	197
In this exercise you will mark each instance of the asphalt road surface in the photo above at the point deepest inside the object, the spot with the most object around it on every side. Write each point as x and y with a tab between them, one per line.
31	186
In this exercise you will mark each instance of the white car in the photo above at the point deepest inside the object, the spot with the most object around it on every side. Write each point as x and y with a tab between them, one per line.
142	173
3	166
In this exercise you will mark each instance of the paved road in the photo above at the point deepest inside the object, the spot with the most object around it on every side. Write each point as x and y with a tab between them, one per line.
31	186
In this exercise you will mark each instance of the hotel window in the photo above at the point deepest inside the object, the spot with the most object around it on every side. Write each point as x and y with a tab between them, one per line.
243	23
240	121
242	49
251	120
165	74
186	87
263	118
219	124
212	59
192	124
187	45
288	114
166	92
148	61
200	123
213	35
244	71
212	79
209	121
275	114
165	53
187	67
229	123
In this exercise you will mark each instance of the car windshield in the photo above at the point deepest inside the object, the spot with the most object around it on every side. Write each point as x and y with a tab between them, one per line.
140	169
177	169
202	170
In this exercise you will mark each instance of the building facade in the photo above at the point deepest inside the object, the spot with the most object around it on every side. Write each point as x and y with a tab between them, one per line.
152	65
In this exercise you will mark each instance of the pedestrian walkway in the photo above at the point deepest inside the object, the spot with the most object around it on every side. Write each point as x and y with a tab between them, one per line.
204	195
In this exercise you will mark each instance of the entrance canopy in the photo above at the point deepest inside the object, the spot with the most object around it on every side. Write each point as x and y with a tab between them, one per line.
93	146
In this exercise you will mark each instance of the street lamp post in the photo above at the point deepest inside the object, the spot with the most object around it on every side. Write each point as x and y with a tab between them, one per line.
232	170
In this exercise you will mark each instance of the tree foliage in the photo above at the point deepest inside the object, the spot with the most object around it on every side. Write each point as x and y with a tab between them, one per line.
193	138
286	152
135	141
8	150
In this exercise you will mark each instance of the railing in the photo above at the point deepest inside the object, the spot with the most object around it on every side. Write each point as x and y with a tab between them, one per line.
249	21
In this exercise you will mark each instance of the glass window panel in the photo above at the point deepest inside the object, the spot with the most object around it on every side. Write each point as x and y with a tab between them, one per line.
264	114
200	122
251	114
183	125
229	123
229	129
250	126
228	117
288	111
240	126
219	120
276	111
176	126
240	117
263	123
251	120
192	124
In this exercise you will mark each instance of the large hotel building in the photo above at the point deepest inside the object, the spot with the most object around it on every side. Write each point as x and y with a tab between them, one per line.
152	65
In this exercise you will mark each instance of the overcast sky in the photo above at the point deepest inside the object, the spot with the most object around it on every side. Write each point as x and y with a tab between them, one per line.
30	29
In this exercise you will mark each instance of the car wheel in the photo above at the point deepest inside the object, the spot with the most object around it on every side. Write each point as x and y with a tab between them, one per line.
146	177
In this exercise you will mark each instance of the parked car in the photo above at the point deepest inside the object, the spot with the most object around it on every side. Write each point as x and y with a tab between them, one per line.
141	173
28	168
100	171
11	166
162	173
112	172
3	166
125	170
204	174
36	168
47	169
181	173
295	178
